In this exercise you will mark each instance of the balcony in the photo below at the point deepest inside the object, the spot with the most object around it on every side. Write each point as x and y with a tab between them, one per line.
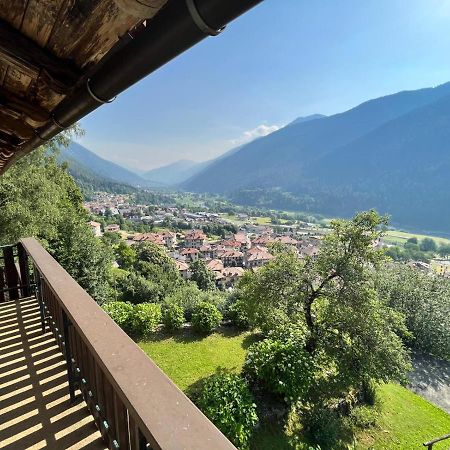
71	378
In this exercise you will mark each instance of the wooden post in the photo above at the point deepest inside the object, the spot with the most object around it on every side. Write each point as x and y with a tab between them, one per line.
12	277
24	271
2	285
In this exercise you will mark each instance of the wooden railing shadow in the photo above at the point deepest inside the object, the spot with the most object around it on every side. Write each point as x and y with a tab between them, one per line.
34	398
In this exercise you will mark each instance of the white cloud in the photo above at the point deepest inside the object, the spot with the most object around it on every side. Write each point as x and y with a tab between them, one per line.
259	131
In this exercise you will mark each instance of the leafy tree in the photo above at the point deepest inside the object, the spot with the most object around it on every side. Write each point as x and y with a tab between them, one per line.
125	255
154	254
111	238
349	332
428	245
39	198
85	257
282	366
444	250
413	240
204	277
187	296
425	302
166	278
136	289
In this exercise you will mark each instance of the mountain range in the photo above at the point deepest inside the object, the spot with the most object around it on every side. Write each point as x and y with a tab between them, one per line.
391	153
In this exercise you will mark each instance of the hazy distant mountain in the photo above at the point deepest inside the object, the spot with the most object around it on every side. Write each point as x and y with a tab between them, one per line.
390	153
174	173
102	167
306	119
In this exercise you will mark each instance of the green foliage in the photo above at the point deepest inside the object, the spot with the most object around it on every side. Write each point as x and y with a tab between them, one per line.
145	319
444	250
154	254
201	275
363	417
173	317
323	425
187	296
111	238
125	255
136	289
139	320
428	245
164	278
226	400
205	318
425	302
85	257
270	294
237	313
369	392
350	334
281	367
121	313
39	198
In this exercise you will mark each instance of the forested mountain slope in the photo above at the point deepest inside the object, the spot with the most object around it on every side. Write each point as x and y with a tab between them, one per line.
390	153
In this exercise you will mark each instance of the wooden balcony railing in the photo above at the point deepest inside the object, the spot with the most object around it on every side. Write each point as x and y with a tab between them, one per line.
134	404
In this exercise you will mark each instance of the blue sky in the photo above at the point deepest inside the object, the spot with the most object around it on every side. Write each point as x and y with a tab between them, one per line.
282	60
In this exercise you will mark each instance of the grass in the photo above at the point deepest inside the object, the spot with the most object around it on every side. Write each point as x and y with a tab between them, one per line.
187	359
405	422
400	237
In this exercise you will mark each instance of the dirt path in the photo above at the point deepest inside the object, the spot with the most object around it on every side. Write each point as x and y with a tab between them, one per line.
431	380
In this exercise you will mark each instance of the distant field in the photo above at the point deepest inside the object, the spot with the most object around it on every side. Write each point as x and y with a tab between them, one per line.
406	419
400	237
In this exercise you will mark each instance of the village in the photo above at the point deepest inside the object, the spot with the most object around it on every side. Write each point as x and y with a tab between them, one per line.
227	256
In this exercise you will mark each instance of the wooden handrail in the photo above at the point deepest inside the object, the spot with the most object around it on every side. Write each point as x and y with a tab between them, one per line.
133	402
430	444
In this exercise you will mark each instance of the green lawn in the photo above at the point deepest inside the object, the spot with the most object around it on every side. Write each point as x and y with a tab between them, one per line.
187	359
406	419
400	237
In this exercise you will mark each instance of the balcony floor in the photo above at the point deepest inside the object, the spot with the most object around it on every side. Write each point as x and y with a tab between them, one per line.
34	401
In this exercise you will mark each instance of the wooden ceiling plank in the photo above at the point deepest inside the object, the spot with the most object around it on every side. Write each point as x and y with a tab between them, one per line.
40	18
89	30
13	11
15	127
28	57
31	113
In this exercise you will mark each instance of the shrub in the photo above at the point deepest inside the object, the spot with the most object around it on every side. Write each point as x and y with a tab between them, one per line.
363	417
369	392
121	313
187	296
206	317
238	315
146	317
173	317
322	425
227	401
280	367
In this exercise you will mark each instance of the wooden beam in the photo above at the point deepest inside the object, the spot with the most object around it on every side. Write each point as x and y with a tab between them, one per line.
16	127
31	113
24	54
8	141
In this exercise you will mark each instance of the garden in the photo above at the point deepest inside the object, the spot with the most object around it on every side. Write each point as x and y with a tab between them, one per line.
303	354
